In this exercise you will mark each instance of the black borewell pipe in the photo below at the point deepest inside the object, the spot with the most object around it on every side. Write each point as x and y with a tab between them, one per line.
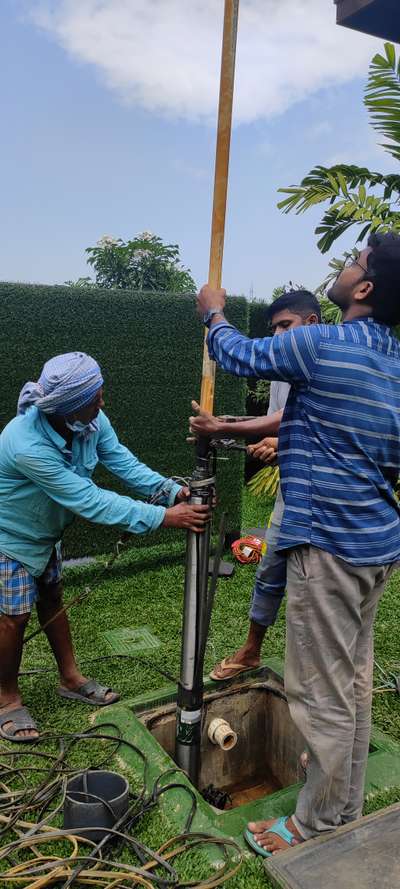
196	620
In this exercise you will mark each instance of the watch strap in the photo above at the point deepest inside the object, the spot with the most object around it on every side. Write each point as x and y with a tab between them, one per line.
211	312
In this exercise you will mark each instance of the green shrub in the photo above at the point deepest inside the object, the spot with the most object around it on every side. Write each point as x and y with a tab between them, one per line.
150	349
257	321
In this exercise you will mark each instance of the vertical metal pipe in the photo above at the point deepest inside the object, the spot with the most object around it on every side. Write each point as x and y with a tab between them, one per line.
195	624
190	688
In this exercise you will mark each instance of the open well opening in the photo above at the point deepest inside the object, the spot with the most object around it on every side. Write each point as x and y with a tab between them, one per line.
266	756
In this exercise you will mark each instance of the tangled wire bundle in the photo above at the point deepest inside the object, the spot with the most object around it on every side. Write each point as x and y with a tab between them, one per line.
247	549
79	861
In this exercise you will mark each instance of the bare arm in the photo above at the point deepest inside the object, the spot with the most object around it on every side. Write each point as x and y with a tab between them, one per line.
259	427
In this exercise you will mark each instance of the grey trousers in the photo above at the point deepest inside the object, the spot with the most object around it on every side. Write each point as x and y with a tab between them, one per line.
331	607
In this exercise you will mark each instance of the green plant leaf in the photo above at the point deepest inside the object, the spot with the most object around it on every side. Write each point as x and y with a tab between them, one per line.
265	483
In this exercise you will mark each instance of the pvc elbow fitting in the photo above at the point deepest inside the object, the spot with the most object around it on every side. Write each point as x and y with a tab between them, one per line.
221	734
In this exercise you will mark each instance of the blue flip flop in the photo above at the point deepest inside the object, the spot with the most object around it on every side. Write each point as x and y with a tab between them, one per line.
279	828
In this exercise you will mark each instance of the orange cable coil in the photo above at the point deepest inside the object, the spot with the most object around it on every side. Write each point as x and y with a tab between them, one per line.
248	550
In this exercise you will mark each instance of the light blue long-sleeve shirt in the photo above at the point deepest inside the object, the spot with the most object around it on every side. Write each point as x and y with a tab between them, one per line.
43	485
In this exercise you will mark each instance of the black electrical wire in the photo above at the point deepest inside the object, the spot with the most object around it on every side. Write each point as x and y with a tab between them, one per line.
55	769
37	671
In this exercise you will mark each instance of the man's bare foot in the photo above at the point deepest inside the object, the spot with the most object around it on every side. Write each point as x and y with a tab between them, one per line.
71	681
271	842
246	655
8	727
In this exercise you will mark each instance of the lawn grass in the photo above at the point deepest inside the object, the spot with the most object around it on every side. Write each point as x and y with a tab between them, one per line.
144	588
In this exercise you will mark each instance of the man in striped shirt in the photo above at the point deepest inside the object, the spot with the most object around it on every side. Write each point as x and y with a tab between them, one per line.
339	461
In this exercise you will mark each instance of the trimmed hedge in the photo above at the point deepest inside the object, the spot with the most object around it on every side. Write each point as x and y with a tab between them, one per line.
257	322
149	347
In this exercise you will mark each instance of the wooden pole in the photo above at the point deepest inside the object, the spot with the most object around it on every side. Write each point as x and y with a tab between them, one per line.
220	179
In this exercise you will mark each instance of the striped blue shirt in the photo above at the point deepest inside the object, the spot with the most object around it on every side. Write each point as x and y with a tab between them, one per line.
339	441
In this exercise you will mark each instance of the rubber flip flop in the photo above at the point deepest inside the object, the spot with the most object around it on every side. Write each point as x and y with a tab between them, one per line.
279	829
21	721
231	670
91	692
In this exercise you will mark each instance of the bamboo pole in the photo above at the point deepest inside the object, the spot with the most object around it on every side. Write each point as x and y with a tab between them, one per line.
220	180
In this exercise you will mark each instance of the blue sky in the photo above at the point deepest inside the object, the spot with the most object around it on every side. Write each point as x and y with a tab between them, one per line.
108	128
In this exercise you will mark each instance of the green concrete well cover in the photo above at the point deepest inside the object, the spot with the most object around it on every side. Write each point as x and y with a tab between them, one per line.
131	640
131	718
363	854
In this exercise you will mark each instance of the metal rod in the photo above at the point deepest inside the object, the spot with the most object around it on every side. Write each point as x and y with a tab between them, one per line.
196	606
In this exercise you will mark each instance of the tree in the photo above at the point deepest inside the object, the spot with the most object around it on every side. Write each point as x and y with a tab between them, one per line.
143	263
355	195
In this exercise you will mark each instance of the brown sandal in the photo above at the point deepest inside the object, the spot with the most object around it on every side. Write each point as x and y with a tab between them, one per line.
228	671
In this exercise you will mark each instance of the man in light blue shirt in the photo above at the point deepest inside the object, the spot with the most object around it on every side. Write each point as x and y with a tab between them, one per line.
47	457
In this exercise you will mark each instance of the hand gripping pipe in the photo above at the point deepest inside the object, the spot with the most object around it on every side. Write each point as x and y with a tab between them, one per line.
196	617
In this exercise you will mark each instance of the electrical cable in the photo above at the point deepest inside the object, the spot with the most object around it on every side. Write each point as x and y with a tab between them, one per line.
81	596
390	681
84	593
40	671
248	550
77	867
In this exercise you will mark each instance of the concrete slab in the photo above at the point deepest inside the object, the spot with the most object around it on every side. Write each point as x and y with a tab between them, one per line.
365	853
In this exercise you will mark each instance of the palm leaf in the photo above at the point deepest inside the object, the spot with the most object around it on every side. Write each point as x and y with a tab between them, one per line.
356	196
329	183
382	98
347	191
265	483
370	212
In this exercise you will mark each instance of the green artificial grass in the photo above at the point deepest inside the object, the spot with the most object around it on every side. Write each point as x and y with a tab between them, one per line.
144	588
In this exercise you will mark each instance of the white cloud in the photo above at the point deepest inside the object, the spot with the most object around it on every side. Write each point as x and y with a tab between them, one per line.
164	55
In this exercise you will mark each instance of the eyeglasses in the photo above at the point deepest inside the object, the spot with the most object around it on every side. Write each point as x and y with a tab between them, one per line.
350	261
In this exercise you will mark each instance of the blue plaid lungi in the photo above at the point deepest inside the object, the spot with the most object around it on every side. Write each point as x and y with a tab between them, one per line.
19	590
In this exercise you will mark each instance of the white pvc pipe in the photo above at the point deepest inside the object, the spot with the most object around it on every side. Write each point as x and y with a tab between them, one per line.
220	733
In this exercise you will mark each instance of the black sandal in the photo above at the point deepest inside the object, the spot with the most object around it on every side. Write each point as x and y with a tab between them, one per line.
91	692
21	721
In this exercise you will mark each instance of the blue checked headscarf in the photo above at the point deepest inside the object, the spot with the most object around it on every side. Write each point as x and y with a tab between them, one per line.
67	383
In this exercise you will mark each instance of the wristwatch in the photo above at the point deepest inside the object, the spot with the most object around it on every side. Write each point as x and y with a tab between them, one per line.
208	315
